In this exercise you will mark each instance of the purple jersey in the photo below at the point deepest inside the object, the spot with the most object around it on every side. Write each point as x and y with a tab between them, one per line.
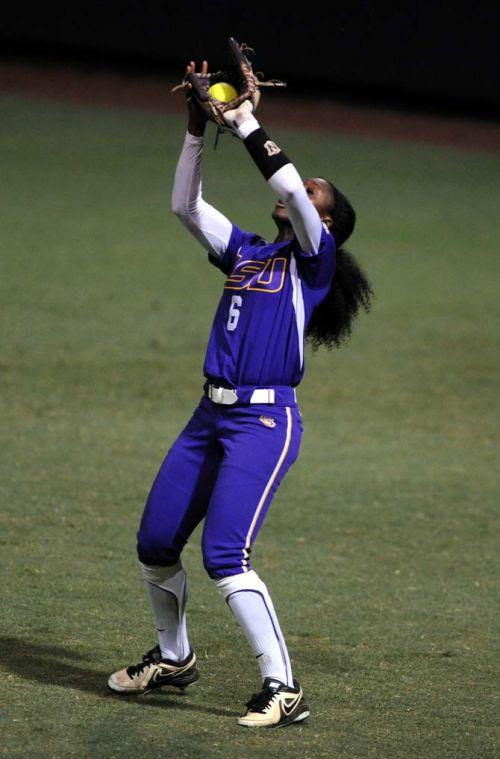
271	289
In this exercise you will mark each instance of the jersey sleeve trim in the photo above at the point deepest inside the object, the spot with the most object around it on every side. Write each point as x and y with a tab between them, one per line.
237	239
326	240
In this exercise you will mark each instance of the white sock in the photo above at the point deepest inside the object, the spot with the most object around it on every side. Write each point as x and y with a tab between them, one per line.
251	604
167	589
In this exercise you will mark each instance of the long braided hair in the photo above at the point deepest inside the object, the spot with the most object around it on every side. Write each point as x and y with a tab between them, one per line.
332	321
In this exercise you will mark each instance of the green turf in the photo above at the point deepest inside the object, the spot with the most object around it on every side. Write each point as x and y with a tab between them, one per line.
379	549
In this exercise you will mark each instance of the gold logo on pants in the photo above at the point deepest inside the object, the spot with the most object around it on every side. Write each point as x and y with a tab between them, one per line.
268	421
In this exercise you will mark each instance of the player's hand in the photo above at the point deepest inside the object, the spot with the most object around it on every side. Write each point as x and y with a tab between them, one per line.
197	119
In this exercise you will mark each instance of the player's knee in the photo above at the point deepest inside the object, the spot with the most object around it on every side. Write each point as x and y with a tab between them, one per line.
221	561
152	549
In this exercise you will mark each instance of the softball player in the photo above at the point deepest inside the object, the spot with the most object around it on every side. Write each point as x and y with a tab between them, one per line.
245	433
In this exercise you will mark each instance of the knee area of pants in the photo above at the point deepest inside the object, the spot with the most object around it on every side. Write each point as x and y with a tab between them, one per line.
218	567
221	561
218	570
154	552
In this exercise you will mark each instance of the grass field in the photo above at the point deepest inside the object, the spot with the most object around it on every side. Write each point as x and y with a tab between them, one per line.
379	549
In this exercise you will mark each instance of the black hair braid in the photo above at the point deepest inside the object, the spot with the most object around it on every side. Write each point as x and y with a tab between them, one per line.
332	321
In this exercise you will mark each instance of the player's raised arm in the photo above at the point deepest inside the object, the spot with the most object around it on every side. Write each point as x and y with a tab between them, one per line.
281	175
208	225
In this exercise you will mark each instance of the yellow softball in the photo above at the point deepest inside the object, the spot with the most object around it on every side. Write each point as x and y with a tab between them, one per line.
223	91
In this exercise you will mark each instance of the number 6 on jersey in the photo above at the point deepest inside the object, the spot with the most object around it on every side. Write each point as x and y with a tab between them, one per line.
234	314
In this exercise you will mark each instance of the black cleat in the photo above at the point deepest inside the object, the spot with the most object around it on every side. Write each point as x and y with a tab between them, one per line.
154	672
276	705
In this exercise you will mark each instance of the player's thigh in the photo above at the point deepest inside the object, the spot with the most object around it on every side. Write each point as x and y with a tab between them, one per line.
180	493
260	446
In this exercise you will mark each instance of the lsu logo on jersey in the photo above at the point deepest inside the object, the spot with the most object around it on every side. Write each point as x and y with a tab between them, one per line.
266	276
267	420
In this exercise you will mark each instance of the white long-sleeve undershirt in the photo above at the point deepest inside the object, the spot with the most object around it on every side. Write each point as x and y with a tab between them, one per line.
304	218
211	227
208	225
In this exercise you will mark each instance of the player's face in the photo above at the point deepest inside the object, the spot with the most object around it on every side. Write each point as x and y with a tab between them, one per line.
320	195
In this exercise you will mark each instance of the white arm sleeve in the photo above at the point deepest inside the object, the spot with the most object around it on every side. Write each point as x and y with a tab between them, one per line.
208	225
304	218
288	186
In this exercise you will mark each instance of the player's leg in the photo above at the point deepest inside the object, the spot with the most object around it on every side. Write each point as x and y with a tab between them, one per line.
281	700
176	503
180	493
257	454
167	588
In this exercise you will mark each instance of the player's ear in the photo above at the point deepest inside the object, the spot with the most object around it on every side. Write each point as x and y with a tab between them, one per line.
328	221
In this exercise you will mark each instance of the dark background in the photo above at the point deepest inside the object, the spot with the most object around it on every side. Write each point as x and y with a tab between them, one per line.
442	55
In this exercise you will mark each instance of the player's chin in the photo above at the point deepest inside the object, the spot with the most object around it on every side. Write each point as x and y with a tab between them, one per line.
279	213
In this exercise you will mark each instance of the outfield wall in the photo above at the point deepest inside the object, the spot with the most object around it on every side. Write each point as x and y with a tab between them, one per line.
421	50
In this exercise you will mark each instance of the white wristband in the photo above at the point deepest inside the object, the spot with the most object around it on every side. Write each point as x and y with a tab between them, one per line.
193	139
247	127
